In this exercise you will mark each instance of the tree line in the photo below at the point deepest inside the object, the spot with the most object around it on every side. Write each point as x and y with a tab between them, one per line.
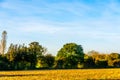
35	56
70	56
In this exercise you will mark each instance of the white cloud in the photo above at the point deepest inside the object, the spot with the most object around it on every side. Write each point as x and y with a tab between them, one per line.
41	28
95	22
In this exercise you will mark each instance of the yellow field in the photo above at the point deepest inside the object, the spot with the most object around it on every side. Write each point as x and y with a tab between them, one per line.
74	74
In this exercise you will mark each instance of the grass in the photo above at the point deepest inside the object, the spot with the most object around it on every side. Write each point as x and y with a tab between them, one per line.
73	74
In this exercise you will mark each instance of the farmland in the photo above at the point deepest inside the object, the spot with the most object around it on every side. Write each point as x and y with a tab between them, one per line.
73	74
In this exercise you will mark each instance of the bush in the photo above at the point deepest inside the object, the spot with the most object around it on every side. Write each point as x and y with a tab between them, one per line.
101	63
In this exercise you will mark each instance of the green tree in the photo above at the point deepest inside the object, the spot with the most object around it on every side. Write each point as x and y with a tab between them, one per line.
36	51
72	55
23	57
101	63
49	59
45	61
88	62
17	56
41	62
4	63
11	53
59	63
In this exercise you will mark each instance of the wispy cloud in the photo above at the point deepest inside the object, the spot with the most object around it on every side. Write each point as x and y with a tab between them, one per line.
65	20
39	27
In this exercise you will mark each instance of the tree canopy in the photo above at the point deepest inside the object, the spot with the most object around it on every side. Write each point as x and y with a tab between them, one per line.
71	54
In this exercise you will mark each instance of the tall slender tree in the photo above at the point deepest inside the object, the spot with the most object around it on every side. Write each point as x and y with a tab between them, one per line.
3	42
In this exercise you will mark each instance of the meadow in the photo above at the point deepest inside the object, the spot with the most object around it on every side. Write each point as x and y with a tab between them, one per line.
70	74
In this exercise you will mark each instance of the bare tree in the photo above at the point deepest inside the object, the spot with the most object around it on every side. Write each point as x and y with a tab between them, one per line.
3	42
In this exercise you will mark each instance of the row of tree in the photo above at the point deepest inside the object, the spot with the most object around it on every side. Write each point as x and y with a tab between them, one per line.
95	59
71	55
35	56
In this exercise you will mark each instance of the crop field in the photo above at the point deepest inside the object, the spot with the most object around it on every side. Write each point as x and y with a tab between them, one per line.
72	74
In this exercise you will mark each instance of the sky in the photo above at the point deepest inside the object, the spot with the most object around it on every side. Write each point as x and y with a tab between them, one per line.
94	24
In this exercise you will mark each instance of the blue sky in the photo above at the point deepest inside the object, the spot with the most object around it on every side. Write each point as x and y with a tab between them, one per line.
95	24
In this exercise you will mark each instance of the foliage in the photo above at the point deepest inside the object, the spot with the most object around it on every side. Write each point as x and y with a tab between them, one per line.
23	57
49	59
70	55
101	63
116	63
88	62
4	63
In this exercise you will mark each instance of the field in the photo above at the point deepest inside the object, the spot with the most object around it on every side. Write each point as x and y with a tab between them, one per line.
73	74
